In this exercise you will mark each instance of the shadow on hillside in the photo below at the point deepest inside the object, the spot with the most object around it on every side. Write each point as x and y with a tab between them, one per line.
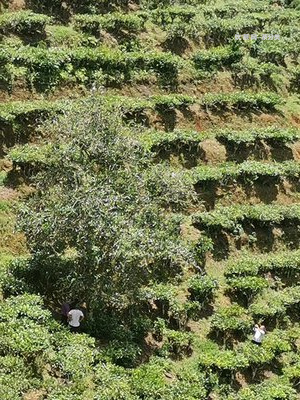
63	10
177	45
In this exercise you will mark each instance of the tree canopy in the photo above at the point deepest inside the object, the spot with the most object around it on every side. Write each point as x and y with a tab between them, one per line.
96	227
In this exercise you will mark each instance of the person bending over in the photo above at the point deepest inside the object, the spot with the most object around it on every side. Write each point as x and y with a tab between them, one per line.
75	316
259	334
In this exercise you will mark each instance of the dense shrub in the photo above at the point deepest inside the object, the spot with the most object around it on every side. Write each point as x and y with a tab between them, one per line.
113	214
23	23
202	288
231	319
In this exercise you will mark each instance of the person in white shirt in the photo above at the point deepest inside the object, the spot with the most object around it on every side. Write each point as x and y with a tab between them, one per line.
75	316
259	334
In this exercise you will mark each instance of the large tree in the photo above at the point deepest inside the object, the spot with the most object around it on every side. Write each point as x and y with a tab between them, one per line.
98	226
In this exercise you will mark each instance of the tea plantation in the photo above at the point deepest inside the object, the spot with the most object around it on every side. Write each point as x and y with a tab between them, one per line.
149	168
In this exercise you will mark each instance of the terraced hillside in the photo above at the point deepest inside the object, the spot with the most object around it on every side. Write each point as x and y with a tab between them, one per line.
209	92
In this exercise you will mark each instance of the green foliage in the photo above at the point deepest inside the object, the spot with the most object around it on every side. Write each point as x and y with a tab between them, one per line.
275	303
248	286
157	140
274	389
64	9
177	343
215	58
282	263
218	360
169	186
249	72
165	16
245	355
14	112
230	217
46	69
148	380
23	23
122	353
104	213
248	170
74	357
31	154
21	326
202	288
233	318
100	225
16	377
242	100
66	36
114	22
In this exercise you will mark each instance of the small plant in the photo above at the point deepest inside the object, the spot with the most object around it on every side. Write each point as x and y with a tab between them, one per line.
202	288
231	319
247	286
177	343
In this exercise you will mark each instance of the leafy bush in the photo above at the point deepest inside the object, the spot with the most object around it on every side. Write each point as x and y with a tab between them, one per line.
157	140
230	217
74	356
215	58
211	357
283	263
202	288
16	377
144	248
275	303
233	318
114	22
47	68
23	23
247	286
148	380
248	170
242	100
274	389
177	343
122	353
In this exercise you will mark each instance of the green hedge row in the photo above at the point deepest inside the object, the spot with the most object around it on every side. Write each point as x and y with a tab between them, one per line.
217	57
233	318
115	22
23	23
155	139
47	68
228	172
229	217
274	303
248	170
245	354
245	276
247	286
286	262
14	112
